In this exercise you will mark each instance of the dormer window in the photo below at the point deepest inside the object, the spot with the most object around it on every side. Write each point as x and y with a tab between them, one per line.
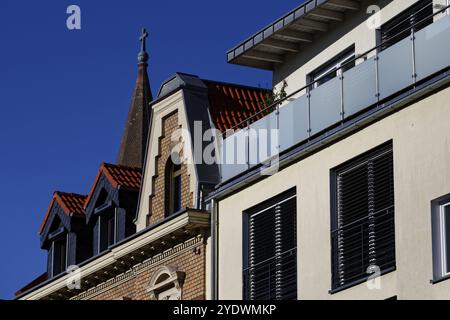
111	229
59	255
111	204
64	234
173	188
108	229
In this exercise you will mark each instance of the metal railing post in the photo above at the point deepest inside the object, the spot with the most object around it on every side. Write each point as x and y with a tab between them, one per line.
341	78
247	139
308	95
278	132
221	147
413	52
377	76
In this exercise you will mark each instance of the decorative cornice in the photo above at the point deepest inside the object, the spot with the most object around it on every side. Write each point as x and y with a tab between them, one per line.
135	270
152	243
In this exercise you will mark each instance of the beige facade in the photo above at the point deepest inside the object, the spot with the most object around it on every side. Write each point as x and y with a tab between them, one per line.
421	145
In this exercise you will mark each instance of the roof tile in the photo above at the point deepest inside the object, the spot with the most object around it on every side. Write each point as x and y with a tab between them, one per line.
231	104
70	203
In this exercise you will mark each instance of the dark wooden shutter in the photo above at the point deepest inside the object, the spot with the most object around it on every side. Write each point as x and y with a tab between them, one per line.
363	233
121	223
97	238
398	28
270	268
71	248
50	262
59	255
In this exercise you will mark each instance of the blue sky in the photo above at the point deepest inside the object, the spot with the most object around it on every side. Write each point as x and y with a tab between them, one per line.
64	95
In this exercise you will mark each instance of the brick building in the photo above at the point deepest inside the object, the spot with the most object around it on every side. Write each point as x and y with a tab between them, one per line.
142	230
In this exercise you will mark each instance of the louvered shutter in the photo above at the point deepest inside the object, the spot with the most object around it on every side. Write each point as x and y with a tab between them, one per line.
271	265
419	16
364	232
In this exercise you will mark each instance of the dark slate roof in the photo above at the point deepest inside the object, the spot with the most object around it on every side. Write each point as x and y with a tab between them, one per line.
70	203
177	81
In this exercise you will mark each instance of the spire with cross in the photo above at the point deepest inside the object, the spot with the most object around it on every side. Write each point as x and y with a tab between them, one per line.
143	55
134	138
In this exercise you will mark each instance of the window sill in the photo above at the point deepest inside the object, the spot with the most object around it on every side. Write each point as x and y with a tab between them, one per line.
359	281
435	281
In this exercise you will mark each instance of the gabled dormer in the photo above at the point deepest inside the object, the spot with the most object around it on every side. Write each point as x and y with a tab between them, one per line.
64	233
111	205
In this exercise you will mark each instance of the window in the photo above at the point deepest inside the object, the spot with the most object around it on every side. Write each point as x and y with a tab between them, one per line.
441	237
332	69
59	255
270	249
107	229
362	230
111	229
173	188
417	16
166	284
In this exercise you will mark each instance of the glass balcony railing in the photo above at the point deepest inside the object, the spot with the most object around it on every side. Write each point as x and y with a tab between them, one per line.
306	113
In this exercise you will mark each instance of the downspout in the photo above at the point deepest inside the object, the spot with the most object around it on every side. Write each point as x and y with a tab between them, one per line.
214	250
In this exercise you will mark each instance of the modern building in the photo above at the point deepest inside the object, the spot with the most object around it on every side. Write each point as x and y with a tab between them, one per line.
350	199
141	233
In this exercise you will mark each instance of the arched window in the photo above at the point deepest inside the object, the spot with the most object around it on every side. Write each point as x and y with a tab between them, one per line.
173	188
166	284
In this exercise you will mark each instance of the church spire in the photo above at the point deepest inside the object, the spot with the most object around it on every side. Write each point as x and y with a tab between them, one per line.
143	55
134	139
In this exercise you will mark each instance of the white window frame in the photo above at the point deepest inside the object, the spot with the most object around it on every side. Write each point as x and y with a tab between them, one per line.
332	67
443	238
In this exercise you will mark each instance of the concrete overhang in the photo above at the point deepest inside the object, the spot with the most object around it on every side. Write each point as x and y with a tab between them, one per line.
290	33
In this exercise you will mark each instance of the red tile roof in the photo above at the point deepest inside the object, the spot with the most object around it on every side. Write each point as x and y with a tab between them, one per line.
231	104
125	177
71	203
32	284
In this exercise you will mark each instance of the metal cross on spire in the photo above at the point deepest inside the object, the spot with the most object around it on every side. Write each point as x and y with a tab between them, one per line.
143	56
142	39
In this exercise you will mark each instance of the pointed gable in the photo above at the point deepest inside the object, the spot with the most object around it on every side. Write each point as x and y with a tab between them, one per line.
109	179
68	203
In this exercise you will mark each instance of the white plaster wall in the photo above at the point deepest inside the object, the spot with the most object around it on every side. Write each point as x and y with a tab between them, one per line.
421	146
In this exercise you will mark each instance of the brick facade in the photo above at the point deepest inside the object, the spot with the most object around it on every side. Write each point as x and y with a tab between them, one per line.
159	183
188	257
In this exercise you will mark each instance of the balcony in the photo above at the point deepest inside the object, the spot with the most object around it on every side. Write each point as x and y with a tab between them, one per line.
308	113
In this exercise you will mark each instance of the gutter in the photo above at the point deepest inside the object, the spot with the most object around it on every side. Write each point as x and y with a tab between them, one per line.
214	250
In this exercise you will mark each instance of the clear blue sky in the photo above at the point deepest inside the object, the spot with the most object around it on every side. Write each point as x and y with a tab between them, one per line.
64	95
